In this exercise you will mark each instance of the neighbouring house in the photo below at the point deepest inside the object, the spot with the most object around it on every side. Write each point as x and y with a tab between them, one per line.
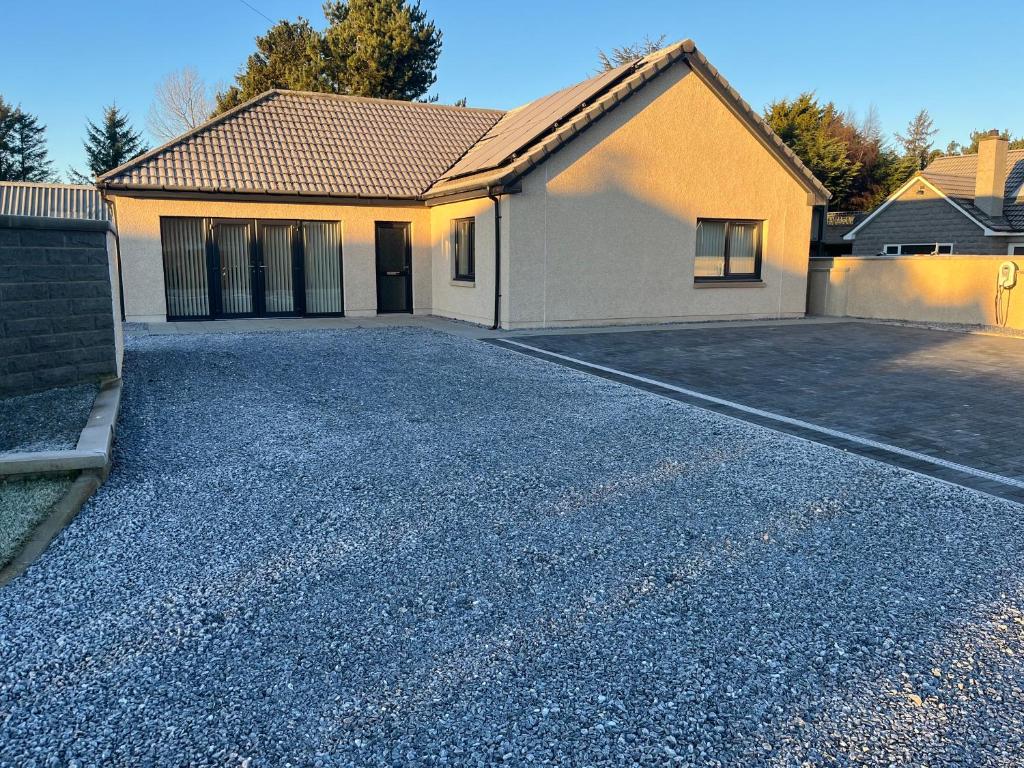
935	250
621	199
960	204
60	316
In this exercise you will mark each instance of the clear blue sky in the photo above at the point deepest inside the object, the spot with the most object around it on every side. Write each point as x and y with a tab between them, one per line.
64	59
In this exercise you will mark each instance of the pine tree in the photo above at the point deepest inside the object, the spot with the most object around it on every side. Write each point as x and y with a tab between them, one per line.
917	141
628	53
381	48
815	133
109	145
8	120
386	49
287	56
971	147
29	150
23	153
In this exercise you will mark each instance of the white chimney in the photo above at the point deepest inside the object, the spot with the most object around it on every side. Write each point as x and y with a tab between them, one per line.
990	183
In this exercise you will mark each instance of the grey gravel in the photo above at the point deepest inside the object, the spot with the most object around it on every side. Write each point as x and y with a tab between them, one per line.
395	547
51	420
24	503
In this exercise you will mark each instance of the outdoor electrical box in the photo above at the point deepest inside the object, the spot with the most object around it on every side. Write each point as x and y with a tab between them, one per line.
1007	274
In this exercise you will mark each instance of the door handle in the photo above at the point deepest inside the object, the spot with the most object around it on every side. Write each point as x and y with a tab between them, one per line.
394	274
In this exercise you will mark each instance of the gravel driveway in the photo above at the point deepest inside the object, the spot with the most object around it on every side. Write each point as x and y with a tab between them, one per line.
394	547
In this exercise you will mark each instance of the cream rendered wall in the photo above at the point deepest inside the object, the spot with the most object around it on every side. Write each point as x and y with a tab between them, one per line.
928	289
605	230
138	221
473	302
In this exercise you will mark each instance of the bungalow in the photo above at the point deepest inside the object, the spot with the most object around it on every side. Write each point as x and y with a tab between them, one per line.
620	199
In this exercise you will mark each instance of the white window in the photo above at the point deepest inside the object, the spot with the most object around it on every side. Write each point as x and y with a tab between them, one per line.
917	249
1016	249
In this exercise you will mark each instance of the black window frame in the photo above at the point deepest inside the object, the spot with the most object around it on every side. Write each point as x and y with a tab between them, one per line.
729	276
214	298
468	276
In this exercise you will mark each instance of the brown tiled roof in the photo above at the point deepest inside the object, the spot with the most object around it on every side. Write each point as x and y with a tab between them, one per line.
289	142
955	176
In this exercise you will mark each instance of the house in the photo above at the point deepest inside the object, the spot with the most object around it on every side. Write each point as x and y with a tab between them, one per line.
59	312
940	250
621	199
961	204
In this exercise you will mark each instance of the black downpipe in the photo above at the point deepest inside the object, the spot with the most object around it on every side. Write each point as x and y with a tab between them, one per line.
496	199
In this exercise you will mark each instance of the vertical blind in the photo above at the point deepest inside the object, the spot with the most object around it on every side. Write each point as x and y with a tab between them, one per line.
726	248
232	241
276	241
184	247
322	253
742	248
710	249
242	271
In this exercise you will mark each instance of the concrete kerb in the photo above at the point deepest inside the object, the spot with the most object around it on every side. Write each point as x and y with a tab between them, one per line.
90	461
94	446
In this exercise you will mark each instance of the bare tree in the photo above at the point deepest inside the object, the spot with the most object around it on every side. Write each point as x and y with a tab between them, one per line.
628	53
182	102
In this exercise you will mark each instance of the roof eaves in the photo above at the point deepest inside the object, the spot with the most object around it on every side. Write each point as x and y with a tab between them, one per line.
218	190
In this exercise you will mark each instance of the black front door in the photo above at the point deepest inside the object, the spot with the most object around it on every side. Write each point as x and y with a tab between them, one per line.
394	267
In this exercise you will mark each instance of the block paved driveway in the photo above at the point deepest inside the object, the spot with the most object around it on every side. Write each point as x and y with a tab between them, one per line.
953	396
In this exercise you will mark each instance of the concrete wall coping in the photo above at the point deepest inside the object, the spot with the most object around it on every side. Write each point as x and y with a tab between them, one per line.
47	222
916	257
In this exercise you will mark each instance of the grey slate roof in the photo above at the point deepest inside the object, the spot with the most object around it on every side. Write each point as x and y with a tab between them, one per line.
52	201
290	142
955	176
286	142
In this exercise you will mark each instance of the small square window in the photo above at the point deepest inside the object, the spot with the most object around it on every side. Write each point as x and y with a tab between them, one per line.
464	249
727	250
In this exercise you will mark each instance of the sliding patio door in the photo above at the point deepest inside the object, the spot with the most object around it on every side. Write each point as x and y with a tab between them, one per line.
226	268
277	267
322	266
186	268
233	257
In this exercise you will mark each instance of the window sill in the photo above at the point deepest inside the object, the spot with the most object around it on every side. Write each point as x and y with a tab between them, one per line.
728	283
464	283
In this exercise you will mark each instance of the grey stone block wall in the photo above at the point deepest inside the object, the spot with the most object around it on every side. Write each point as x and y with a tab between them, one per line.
56	310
